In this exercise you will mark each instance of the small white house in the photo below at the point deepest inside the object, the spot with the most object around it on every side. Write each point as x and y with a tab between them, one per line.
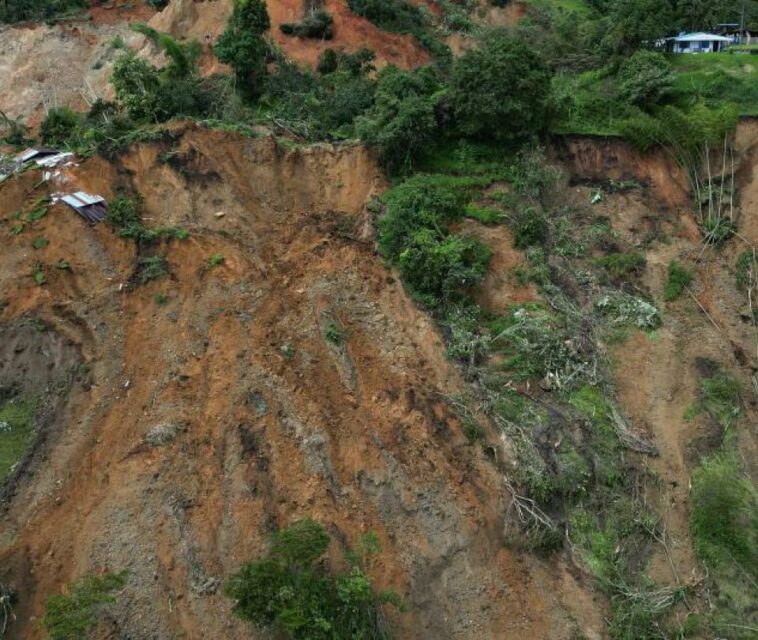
699	43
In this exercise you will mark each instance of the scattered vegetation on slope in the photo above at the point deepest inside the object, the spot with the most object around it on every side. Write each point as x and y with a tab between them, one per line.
16	430
291	589
23	10
72	616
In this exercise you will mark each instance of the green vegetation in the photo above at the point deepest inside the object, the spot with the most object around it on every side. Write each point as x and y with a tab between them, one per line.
59	126
39	275
745	271
216	260
679	278
720	396
22	10
125	218
16	430
725	514
291	591
151	268
724	526
513	108
242	45
334	334
72	616
724	519
317	23
621	266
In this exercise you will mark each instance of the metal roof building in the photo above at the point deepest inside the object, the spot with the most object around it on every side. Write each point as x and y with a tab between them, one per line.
699	43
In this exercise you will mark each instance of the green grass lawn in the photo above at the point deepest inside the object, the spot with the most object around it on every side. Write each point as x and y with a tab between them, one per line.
16	432
718	78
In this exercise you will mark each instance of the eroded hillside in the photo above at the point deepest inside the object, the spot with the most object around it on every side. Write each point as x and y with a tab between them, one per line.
531	375
265	419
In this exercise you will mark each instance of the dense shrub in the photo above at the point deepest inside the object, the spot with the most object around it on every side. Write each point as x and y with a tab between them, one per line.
421	201
646	79
679	278
530	228
242	44
501	91
291	591
633	24
620	266
151	94
137	86
390	15
725	514
402	123
20	10
318	107
59	125
317	24
439	269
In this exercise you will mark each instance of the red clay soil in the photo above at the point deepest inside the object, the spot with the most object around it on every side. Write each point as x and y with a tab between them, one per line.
267	420
119	11
206	20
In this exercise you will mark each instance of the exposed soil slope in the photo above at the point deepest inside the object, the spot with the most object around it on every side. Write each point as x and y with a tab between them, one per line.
658	376
268	421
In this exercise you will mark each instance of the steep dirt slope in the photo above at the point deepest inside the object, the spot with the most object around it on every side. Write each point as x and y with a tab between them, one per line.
267	421
658	376
204	20
63	65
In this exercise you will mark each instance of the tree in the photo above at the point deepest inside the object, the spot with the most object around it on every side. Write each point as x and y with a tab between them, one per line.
635	24
646	79
500	92
243	46
402	122
137	86
59	125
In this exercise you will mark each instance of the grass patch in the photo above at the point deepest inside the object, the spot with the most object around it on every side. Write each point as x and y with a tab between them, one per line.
216	260
334	334
622	266
16	432
724	524
718	78
720	397
151	268
679	278
485	215
72	616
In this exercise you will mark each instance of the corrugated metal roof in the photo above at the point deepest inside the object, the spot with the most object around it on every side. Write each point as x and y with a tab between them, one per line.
30	154
81	199
51	161
92	208
700	37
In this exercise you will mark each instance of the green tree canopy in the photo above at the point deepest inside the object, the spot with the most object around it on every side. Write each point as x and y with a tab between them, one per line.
501	91
242	45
